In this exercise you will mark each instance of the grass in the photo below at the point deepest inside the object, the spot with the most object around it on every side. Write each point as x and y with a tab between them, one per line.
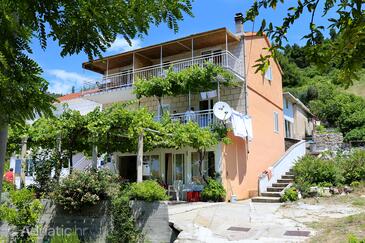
339	230
358	88
342	229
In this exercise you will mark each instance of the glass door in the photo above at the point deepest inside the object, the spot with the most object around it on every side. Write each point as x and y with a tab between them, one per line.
179	167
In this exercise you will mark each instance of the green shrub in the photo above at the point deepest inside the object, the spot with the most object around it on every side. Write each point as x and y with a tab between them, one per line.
353	167
290	194
124	225
69	238
312	170
213	191
85	188
149	191
304	188
8	187
353	239
22	212
355	184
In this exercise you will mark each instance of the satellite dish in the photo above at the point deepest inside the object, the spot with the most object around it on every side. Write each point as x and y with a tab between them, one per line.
222	110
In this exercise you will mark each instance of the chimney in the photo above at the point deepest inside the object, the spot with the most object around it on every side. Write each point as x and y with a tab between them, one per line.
238	20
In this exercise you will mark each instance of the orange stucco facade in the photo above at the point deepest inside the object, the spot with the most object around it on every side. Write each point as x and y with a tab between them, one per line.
244	161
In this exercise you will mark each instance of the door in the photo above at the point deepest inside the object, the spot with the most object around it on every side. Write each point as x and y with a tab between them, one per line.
168	169
128	168
204	119
179	167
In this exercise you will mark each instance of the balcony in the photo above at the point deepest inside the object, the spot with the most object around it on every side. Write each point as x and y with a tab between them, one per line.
204	118
124	80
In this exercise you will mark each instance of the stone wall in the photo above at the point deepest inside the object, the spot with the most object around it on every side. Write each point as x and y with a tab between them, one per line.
92	224
327	141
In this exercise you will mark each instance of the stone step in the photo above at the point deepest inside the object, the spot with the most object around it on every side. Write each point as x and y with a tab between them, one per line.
280	184
289	173
285	181
266	199
275	189
271	194
287	177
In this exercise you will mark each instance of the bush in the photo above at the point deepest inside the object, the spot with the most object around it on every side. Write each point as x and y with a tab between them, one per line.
149	191
290	194
124	224
84	188
304	188
213	191
8	187
353	239
312	170
23	212
353	167
69	238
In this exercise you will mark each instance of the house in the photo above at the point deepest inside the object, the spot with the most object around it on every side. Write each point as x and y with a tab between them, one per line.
258	96
299	120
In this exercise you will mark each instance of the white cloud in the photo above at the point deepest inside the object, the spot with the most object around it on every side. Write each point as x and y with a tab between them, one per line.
121	45
55	86
61	81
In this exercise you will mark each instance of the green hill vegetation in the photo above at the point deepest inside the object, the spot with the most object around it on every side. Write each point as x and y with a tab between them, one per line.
342	108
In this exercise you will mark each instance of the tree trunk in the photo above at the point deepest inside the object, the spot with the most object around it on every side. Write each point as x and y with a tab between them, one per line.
140	158
201	159
95	157
71	162
160	103
58	165
3	143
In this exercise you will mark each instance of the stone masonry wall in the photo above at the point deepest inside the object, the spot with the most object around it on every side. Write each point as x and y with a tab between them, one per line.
327	141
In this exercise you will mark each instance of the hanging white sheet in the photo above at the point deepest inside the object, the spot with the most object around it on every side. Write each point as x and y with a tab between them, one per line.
248	124
238	125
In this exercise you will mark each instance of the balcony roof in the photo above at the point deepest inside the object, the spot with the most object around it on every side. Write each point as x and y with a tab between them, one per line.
169	48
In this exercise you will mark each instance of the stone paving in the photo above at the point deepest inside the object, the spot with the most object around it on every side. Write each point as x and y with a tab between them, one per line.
251	222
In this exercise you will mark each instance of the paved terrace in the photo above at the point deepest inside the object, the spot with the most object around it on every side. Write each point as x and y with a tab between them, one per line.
249	222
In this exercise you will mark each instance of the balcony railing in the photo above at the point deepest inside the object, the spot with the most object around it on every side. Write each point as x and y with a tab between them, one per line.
204	118
126	78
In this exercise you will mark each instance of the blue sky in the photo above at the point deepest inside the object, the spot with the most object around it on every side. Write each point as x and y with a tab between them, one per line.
63	73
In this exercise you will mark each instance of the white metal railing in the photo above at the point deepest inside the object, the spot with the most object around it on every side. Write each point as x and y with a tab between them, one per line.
204	117
284	164
126	78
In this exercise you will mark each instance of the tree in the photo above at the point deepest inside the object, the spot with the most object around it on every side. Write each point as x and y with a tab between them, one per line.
88	26
347	47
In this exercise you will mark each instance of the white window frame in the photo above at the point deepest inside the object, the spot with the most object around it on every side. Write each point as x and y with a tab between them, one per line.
276	122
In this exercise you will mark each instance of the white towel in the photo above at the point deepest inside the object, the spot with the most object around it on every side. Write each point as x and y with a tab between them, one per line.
238	125
248	124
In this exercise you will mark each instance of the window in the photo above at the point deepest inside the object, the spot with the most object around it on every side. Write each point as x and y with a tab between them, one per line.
286	103
208	166
276	122
288	129
268	74
179	167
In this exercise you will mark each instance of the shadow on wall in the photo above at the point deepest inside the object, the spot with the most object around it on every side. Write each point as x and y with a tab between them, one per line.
236	162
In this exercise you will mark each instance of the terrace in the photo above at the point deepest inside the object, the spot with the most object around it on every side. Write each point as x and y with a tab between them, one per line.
220	47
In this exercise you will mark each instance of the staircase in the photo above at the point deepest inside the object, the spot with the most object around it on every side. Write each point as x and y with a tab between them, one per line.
273	193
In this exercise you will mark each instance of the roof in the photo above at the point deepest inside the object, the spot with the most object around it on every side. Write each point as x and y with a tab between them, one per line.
73	96
69	96
295	100
170	48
